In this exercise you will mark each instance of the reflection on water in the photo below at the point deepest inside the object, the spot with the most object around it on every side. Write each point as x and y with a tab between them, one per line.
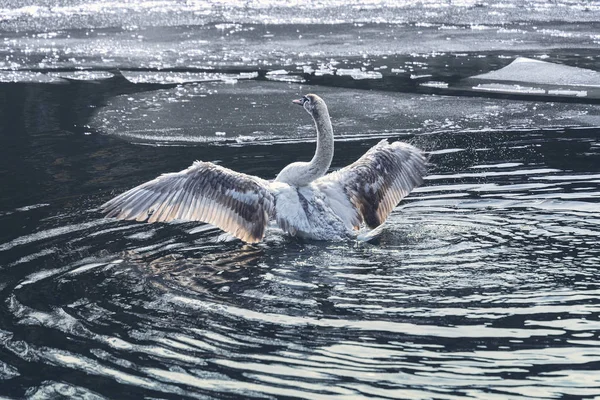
482	284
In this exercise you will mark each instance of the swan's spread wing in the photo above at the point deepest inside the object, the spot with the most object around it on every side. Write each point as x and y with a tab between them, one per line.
237	203
377	181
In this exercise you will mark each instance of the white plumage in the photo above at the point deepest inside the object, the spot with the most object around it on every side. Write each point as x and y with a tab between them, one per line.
302	200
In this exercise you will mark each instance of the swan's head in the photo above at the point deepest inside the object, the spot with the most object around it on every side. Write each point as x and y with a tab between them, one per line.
311	103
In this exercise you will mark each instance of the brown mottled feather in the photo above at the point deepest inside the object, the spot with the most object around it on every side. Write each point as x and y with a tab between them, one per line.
377	181
237	203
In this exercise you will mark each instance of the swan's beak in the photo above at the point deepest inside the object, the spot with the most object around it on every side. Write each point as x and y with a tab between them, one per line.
299	102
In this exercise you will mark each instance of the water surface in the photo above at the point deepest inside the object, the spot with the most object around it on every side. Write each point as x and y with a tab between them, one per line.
482	284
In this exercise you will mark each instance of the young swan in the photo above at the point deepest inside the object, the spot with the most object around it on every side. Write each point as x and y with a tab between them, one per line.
302	199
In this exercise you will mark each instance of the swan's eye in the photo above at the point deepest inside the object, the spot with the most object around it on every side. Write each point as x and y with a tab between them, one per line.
304	100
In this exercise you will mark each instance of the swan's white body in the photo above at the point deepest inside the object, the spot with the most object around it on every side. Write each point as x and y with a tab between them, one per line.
303	200
308	212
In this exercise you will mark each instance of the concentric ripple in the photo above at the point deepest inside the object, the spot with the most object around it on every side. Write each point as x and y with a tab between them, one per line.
483	283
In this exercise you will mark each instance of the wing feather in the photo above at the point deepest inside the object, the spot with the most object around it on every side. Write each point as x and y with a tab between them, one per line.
237	203
376	182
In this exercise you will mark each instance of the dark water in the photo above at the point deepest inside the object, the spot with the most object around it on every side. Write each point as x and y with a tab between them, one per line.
484	283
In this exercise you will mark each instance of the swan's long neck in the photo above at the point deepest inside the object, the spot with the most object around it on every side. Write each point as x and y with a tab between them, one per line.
302	173
320	163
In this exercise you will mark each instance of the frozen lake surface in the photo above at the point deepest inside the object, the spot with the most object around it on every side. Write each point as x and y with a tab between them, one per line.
483	284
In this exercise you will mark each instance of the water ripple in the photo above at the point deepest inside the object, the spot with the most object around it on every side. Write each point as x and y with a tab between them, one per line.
483	283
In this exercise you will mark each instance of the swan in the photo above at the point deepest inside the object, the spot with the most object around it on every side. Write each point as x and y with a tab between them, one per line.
303	200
